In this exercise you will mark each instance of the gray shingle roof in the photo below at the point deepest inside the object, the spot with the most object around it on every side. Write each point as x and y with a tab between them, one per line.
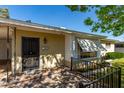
41	26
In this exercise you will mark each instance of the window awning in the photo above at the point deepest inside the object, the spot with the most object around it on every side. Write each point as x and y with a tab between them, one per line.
90	46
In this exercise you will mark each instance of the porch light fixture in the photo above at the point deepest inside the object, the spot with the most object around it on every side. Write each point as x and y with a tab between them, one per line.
45	40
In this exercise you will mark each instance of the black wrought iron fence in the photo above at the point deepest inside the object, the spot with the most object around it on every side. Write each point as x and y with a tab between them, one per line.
99	74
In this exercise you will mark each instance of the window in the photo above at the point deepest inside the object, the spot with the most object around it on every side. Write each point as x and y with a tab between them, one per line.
84	54
88	54
119	45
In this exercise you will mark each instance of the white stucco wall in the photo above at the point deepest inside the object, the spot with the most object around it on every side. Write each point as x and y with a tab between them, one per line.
109	49
68	47
121	50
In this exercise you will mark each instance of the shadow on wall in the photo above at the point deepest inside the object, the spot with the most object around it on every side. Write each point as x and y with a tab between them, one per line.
47	61
18	64
50	61
3	65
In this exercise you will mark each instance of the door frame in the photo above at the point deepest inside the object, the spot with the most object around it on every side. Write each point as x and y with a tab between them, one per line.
38	50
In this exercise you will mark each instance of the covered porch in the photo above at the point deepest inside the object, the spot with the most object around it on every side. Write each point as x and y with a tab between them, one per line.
24	48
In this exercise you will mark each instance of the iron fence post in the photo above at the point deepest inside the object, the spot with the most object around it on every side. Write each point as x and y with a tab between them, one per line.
71	63
119	78
112	76
81	85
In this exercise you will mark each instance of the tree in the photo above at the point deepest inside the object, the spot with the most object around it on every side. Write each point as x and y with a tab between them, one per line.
4	13
110	18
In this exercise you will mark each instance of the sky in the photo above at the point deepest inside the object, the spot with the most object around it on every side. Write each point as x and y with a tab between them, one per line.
59	16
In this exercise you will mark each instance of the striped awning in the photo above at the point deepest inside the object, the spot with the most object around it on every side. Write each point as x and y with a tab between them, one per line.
90	45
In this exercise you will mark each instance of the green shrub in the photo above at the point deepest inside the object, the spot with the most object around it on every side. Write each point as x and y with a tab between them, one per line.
114	55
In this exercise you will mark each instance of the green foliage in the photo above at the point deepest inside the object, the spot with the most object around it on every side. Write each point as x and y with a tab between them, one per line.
120	63
4	13
82	8
114	55
73	8
110	18
88	21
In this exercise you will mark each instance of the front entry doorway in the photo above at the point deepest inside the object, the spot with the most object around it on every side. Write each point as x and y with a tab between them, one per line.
30	53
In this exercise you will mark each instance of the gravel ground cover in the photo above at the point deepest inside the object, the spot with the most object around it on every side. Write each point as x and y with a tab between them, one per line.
48	78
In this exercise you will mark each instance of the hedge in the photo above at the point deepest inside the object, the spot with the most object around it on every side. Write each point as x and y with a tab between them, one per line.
114	55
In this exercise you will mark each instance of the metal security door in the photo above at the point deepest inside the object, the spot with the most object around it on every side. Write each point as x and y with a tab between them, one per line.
30	53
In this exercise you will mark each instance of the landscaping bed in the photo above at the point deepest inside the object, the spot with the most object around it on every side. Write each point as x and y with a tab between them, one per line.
48	78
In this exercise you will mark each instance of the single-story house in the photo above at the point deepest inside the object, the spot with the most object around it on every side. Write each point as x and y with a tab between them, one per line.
109	45
27	45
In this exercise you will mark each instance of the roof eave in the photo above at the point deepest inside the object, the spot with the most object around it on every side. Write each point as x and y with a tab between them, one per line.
14	22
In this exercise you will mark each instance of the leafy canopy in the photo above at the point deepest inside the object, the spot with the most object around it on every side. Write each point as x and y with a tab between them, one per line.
4	13
110	18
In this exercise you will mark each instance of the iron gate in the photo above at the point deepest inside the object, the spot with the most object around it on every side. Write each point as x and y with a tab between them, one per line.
30	53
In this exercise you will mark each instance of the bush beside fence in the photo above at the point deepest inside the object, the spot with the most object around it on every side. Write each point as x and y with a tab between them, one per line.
114	55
